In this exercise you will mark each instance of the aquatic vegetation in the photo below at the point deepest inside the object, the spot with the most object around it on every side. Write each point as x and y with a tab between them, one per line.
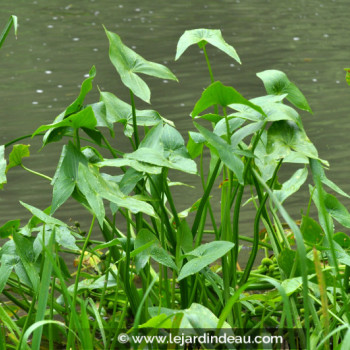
151	269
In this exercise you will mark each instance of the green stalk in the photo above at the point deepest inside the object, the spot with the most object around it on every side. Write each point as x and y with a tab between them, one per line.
36	173
209	66
254	251
134	123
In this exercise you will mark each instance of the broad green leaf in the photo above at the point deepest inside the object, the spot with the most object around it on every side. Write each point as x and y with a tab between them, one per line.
83	119
201	37
245	131
157	157
153	138
285	136
159	321
139	166
219	94
119	111
225	151
8	228
95	187
311	231
17	154
195	317
47	219
65	177
56	134
12	21
342	239
195	144
292	185
277	83
291	285
24	248
128	63
3	179
204	255
155	250
220	128
342	256
100	112
337	210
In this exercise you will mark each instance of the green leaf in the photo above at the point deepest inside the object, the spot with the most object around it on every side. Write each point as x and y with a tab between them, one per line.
119	111
8	228
225	151
342	239
24	248
3	179
47	219
155	250
159	321
285	136
201	37
219	94
311	230
291	285
65	178
157	157
194	148
139	166
56	134
277	83
128	63
292	185
83	119
220	128
17	154
337	210
204	256
12	21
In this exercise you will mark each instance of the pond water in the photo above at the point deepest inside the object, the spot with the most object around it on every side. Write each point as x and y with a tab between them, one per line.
59	41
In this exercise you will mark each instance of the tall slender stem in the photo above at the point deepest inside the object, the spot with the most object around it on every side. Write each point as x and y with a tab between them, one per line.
136	133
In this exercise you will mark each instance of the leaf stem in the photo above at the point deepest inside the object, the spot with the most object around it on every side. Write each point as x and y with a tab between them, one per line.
136	133
36	173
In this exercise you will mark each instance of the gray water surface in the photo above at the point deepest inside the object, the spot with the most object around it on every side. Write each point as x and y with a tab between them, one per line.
59	41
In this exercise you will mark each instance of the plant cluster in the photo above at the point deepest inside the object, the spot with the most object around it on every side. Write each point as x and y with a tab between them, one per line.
151	269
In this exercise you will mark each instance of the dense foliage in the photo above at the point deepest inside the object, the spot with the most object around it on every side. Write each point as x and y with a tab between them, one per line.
150	269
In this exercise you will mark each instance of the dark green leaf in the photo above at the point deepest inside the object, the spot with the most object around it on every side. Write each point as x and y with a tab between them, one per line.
277	83
342	239
197	36
219	94
17	154
127	62
337	210
311	230
8	228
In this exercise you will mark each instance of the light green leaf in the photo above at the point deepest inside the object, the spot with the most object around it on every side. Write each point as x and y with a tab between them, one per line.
285	136
204	256
47	219
277	83
291	285
201	37
159	321
83	119
12	21
3	179
127	63
225	151
119	111
292	185
139	166
219	94
17	154
220	128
